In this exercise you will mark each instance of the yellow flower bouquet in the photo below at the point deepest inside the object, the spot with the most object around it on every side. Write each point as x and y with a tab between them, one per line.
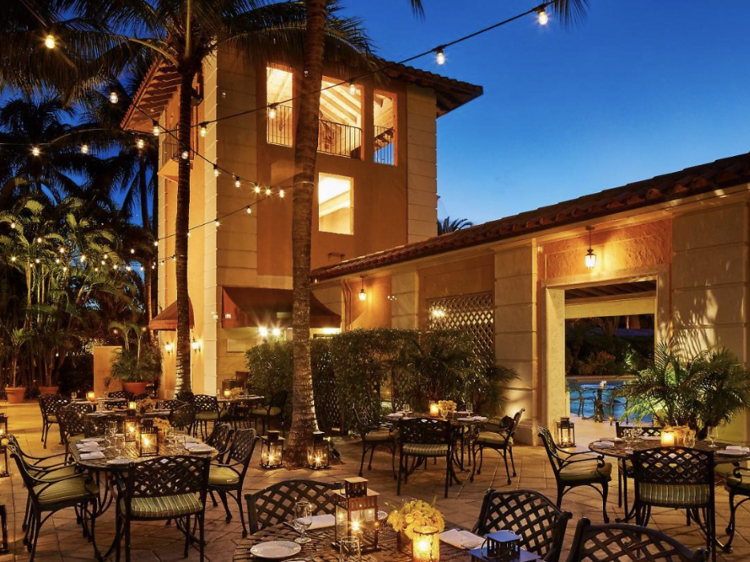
416	513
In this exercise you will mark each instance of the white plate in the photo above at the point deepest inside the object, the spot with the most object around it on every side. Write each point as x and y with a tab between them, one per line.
201	449
275	550
119	462
732	452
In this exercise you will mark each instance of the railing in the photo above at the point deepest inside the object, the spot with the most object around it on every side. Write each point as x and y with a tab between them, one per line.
279	130
168	149
384	146
339	139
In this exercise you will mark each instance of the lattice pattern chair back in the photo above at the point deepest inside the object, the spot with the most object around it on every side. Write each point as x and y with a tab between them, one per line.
169	404
425	431
142	396
365	420
529	514
243	445
72	420
183	417
205	403
627	543
185	396
167	476
49	404
120	395
549	445
673	466
646	431
220	438
275	504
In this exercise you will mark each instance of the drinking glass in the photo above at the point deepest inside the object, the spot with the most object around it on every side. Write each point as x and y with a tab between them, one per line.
120	444
302	520
349	549
689	439
713	435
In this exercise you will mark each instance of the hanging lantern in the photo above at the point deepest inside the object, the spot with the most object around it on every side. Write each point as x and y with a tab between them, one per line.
131	429
502	546
590	258
566	433
426	544
147	441
357	513
317	454
272	450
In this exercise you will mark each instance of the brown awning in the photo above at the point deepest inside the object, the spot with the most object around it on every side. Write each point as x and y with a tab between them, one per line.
252	307
167	319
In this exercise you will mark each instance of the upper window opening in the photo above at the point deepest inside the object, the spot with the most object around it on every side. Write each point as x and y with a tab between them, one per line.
340	131
280	123
335	204
384	118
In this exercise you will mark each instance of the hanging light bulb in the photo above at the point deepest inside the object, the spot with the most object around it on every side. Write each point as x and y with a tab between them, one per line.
185	154
140	143
156	130
203	128
156	243
590	258
249	210
542	17
257	189
35	150
268	191
217	224
217	172
13	225
272	111
281	193
440	56
84	149
113	97
237	182
50	42
352	88
362	293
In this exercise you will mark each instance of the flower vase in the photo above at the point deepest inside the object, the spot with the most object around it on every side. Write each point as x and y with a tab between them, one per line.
403	542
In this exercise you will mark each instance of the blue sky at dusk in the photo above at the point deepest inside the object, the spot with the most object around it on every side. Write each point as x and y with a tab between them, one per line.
640	88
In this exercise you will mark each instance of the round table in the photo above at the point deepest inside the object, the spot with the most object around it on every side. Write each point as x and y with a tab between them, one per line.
619	451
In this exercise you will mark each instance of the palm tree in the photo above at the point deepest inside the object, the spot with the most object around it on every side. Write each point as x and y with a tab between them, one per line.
447	225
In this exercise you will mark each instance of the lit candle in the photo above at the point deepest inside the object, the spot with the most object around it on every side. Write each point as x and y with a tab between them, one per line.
91	396
132	406
227	394
667	438
426	544
434	409
146	442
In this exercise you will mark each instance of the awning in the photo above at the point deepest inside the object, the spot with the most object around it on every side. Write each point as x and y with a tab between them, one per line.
167	319
252	307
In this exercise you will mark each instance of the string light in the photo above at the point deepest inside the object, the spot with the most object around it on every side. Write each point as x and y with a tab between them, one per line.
62	250
84	149
13	225
156	131
542	17
83	259
203	129
352	88
13	258
268	191
132	250
236	182
185	154
39	240
217	224
189	234
281	193
272	111
257	189
156	243
113	97
249	210
217	172
143	268
440	56
140	143
50	42
35	150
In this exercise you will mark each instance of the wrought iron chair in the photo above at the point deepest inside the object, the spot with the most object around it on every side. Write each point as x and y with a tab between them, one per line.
169	404
579	396
49	404
226	478
206	410
625	466
185	396
119	398
627	543
221	439
680	478
274	408
737	484
47	496
530	515
275	504
163	488
374	435
72	421
423	438
183	418
496	434
577	469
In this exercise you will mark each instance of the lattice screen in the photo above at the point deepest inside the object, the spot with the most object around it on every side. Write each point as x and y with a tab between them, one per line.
470	313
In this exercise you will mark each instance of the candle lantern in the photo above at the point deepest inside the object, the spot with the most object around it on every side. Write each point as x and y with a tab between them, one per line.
130	430
272	450
502	546
566	433
3	427
434	410
227	394
667	437
426	544
147	442
91	396
317	454
4	473
357	513
132	407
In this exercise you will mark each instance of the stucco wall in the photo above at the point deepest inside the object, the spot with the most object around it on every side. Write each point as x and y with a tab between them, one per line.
421	139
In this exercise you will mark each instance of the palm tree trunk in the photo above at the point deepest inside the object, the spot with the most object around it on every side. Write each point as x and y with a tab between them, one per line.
143	188
305	152
183	379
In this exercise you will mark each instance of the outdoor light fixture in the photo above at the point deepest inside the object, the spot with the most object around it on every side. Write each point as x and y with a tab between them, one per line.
237	182
140	143
50	42
131	426
185	154
249	210
317	453
203	129
362	293
590	255
147	442
156	130
281	193
352	88
263	331
169	347
217	172
195	345
426	544
357	513
272	111
272	450
84	149
440	56
113	97
276	332
257	189
566	433
36	151
542	17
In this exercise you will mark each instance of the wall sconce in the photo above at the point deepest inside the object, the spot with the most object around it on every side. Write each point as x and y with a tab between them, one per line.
169	347
590	258
195	345
362	293
276	332
263	331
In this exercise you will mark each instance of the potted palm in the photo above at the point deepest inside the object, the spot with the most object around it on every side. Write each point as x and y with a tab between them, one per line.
138	363
16	339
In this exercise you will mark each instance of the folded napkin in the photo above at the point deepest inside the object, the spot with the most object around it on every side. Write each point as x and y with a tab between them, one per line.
395	415
461	539
605	444
92	455
739	448
651	438
91	440
322	521
189	439
93	449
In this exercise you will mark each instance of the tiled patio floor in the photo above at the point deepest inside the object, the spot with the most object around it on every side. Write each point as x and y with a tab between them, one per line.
61	539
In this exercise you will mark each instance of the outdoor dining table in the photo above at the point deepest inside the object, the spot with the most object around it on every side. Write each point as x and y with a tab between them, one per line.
321	548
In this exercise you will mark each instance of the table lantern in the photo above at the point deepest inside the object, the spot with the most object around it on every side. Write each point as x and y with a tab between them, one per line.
426	544
317	453
357	513
132	407
227	394
4	469
147	441
3	426
667	438
91	396
130	430
566	433
434	410
272	450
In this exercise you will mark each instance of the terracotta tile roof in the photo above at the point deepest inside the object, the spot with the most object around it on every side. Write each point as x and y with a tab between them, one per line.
704	178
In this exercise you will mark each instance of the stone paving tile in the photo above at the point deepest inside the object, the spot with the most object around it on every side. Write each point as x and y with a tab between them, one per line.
61	539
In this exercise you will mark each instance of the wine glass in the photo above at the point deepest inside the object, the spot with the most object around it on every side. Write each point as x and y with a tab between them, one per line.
349	549
713	435
302	520
120	444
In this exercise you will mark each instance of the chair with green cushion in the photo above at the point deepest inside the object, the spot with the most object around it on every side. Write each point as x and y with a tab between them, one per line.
374	435
678	478
49	494
183	418
274	505
221	439
49	404
163	488
496	434
206	410
265	412
737	483
421	439
226	478
577	469
625	468
72	421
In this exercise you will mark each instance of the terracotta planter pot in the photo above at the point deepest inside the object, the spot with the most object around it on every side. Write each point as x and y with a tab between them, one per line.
49	389
135	387
15	394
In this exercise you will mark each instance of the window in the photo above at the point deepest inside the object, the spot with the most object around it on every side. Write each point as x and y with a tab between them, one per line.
340	130
280	123
384	118
335	204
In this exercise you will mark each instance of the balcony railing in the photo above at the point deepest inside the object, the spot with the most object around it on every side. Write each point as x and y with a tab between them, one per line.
279	130
339	139
384	145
